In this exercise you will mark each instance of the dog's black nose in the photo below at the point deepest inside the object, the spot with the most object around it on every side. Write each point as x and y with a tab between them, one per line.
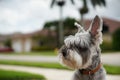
64	53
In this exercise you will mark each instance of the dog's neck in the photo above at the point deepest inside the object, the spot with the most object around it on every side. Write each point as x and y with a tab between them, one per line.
96	62
89	72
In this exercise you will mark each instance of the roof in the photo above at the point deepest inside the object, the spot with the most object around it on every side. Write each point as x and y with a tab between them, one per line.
20	35
43	32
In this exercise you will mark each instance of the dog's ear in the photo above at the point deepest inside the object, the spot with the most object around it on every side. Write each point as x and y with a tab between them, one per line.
96	26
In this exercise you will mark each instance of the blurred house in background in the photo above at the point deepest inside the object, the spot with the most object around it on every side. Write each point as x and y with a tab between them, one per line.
21	42
44	39
109	25
38	40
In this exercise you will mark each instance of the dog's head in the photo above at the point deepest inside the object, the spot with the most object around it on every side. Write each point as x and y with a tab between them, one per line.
78	49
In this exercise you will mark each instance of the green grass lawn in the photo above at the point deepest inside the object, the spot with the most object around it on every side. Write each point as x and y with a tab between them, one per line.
110	69
33	64
45	53
17	75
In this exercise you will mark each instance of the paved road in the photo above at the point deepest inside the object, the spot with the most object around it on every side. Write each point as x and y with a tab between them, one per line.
111	58
33	58
50	74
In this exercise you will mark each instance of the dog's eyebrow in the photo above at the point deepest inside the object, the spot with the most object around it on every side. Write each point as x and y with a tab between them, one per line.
81	48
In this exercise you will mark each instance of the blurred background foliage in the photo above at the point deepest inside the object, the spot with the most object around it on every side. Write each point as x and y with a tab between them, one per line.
116	40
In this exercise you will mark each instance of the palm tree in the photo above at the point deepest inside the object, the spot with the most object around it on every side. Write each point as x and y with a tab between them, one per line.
60	3
85	10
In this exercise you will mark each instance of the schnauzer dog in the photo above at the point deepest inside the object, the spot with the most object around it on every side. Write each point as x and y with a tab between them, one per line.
82	52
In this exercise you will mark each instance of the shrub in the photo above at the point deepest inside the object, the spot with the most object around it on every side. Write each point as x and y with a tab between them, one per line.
8	43
116	40
43	43
43	48
106	46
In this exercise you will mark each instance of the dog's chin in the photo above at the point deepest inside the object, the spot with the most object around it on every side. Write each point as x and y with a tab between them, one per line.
70	64
73	64
73	61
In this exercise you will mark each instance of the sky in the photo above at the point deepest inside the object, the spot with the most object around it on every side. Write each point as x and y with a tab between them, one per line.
27	16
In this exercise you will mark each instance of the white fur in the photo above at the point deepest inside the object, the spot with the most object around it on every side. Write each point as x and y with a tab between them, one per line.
80	28
77	58
74	60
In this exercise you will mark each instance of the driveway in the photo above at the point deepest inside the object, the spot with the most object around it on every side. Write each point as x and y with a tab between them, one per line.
50	74
111	58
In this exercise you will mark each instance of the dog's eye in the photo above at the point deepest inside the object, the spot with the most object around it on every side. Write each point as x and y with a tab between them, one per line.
83	49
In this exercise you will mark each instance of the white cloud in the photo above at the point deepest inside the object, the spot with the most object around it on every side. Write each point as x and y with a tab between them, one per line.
9	16
110	10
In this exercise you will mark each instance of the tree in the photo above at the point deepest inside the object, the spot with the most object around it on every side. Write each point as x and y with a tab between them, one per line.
68	23
116	40
68	27
84	9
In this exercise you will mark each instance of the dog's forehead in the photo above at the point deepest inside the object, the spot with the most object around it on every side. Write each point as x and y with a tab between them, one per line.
81	39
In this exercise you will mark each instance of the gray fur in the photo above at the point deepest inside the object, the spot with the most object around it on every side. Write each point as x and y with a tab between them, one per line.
82	51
